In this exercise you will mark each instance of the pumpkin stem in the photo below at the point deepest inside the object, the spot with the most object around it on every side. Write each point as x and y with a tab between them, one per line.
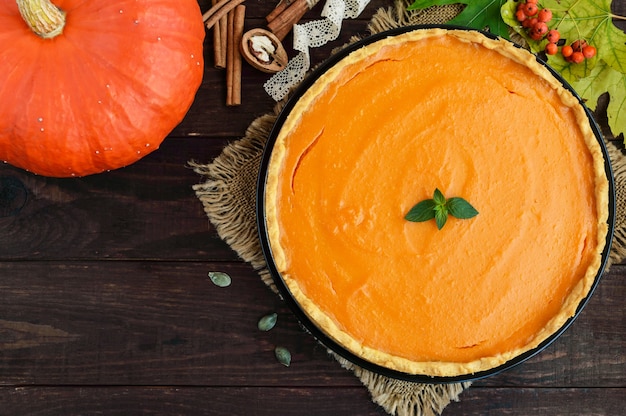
43	17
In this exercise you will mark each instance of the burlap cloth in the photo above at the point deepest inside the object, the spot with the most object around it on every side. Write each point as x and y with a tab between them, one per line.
228	193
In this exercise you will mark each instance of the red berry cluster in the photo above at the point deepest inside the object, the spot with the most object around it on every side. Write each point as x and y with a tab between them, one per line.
578	51
535	20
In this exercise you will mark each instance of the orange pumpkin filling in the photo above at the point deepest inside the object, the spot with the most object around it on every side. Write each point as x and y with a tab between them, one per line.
377	134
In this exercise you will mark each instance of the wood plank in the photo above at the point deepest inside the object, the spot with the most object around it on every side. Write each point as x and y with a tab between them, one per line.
185	401
285	401
146	211
538	401
151	323
165	323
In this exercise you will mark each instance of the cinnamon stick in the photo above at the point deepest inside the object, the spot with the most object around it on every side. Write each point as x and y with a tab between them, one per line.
230	57
280	7
233	68
282	24
223	27
215	13
219	41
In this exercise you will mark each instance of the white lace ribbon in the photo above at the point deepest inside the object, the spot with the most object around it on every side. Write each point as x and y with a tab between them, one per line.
312	35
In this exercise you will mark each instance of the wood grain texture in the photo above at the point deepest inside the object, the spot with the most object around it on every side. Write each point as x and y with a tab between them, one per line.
165	323
286	401
185	401
106	306
146	211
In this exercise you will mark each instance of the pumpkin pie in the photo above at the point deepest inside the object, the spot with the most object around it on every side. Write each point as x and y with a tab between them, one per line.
477	118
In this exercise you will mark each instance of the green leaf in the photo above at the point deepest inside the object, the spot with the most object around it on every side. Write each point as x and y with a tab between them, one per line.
477	14
439	208
507	11
482	15
441	216
421	212
616	110
438	197
602	78
460	208
424	4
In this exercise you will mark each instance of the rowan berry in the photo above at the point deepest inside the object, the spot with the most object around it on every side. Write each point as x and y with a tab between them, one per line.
551	48
577	57
567	51
578	45
545	15
530	9
520	15
529	22
589	51
553	36
540	28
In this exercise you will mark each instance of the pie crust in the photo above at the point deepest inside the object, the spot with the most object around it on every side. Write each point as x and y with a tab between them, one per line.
478	118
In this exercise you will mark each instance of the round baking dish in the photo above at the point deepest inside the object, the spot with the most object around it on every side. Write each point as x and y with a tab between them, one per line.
316	331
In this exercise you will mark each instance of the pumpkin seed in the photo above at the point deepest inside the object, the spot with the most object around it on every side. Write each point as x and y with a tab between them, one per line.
220	279
283	356
267	322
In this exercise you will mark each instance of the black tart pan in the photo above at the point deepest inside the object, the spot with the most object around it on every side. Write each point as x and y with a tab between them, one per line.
309	325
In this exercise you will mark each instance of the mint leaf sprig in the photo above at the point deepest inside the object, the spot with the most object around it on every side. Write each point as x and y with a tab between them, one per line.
439	208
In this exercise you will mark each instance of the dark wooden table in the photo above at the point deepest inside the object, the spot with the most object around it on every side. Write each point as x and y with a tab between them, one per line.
106	308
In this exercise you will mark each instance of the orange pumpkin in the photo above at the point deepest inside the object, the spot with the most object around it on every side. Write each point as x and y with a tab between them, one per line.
100	85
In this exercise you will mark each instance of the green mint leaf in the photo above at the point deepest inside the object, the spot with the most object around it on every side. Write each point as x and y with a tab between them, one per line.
441	216
460	208
421	212
439	208
439	198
